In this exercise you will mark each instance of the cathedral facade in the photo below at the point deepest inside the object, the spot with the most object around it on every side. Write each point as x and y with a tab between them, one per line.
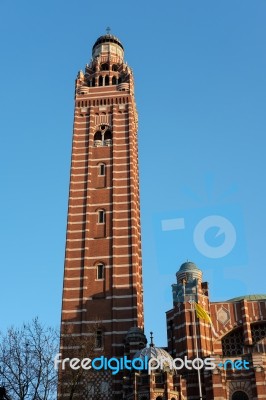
102	305
234	336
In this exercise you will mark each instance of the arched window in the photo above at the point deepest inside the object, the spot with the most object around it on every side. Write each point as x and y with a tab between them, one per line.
108	135
159	398
114	67
93	82
240	395
101	169
100	271
108	138
114	80
100	81
104	67
106	80
98	135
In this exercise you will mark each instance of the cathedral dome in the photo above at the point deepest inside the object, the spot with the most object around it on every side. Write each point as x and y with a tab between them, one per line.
188	266
108	39
189	271
158	353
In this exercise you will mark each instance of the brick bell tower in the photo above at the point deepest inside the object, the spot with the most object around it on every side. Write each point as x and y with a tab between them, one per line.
103	266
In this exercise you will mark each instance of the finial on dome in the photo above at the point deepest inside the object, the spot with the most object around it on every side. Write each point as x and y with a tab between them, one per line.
108	30
151	343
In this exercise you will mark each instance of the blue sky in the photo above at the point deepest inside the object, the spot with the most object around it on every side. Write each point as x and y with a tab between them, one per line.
200	81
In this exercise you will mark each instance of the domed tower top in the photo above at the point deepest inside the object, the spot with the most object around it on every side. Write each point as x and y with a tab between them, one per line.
108	45
155	352
188	272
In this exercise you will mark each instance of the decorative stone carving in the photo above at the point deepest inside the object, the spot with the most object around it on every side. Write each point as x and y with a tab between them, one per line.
223	315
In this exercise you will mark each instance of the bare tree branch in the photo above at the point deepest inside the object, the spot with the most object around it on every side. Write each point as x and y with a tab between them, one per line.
26	362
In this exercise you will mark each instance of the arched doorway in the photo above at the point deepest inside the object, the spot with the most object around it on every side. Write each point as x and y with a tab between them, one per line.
240	395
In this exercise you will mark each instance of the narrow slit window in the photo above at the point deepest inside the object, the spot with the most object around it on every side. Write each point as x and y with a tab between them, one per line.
101	216
99	339
100	271
101	169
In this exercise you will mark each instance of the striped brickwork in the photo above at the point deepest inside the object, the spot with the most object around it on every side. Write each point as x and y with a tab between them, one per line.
238	331
113	301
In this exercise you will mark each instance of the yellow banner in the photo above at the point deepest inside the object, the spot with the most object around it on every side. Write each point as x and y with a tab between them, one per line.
202	314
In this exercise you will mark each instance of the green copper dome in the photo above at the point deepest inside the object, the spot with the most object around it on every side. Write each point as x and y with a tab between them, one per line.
188	272
250	297
189	266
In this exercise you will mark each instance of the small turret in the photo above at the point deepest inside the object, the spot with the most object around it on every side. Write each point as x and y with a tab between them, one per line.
189	280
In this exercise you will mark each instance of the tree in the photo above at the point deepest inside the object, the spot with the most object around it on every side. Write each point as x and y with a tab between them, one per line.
27	362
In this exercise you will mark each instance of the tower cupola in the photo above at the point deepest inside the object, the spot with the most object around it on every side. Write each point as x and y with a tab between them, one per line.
108	45
188	272
189	281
